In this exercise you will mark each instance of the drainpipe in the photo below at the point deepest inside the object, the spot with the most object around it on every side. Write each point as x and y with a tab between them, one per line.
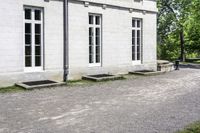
65	41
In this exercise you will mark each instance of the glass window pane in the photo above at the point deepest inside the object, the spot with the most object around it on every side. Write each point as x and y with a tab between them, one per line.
91	19
37	39
133	33
27	13
91	59
90	50
138	33
97	31
97	49
27	39
133	37
37	50
37	15
27	28
28	62
133	52
37	28
138	42
90	31
138	23
97	20
138	56
97	41
133	23
27	50
133	41
37	60
97	58
138	37
90	40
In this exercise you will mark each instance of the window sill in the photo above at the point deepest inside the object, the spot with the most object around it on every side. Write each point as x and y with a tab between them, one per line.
95	65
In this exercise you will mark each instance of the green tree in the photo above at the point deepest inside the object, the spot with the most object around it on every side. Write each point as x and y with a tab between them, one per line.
178	28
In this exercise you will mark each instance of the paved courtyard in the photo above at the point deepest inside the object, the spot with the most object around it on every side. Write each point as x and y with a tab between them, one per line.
157	104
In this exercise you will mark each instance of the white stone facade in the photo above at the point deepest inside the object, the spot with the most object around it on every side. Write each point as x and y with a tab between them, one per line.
116	38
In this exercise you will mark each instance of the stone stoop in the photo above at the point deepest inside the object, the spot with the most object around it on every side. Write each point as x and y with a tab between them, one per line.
39	84
165	66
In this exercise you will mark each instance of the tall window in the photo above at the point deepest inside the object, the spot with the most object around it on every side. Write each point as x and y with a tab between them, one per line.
94	39
33	25
136	40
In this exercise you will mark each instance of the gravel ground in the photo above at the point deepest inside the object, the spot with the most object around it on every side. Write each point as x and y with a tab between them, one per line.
157	104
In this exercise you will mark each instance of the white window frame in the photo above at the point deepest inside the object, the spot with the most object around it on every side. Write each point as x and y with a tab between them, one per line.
136	61
94	26
32	21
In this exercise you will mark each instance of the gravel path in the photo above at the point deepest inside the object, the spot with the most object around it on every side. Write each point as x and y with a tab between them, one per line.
157	104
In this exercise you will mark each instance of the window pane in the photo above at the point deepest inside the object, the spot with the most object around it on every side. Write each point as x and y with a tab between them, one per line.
138	37
90	31
133	23
97	49
27	28
133	52
27	13
91	41
27	39
37	50
37	60
97	20
37	28
133	33
91	59
138	56
91	50
37	39
138	23
27	50
97	36
133	37
37	15
97	58
90	19
97	32
28	61
97	41
133	41
91	36
138	33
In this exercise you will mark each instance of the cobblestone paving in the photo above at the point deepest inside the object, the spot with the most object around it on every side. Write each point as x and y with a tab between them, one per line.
157	104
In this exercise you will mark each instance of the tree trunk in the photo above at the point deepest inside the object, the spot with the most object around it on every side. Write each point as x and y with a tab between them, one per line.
182	58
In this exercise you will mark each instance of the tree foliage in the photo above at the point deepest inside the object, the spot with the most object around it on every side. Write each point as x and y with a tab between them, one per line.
178	27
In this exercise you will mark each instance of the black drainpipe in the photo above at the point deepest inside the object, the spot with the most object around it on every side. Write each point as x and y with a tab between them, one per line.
65	41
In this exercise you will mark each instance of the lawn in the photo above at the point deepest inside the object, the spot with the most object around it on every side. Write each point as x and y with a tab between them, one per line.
11	89
192	128
195	61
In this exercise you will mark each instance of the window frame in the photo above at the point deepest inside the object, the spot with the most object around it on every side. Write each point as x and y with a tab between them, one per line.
94	26
136	61
33	22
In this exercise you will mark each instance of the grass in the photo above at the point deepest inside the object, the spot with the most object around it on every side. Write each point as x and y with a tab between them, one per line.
194	62
89	82
192	128
79	82
15	89
11	89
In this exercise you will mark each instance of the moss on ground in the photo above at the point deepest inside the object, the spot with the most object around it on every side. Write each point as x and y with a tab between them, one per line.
11	89
192	128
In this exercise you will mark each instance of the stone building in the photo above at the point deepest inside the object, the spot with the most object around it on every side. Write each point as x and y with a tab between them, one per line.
103	36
